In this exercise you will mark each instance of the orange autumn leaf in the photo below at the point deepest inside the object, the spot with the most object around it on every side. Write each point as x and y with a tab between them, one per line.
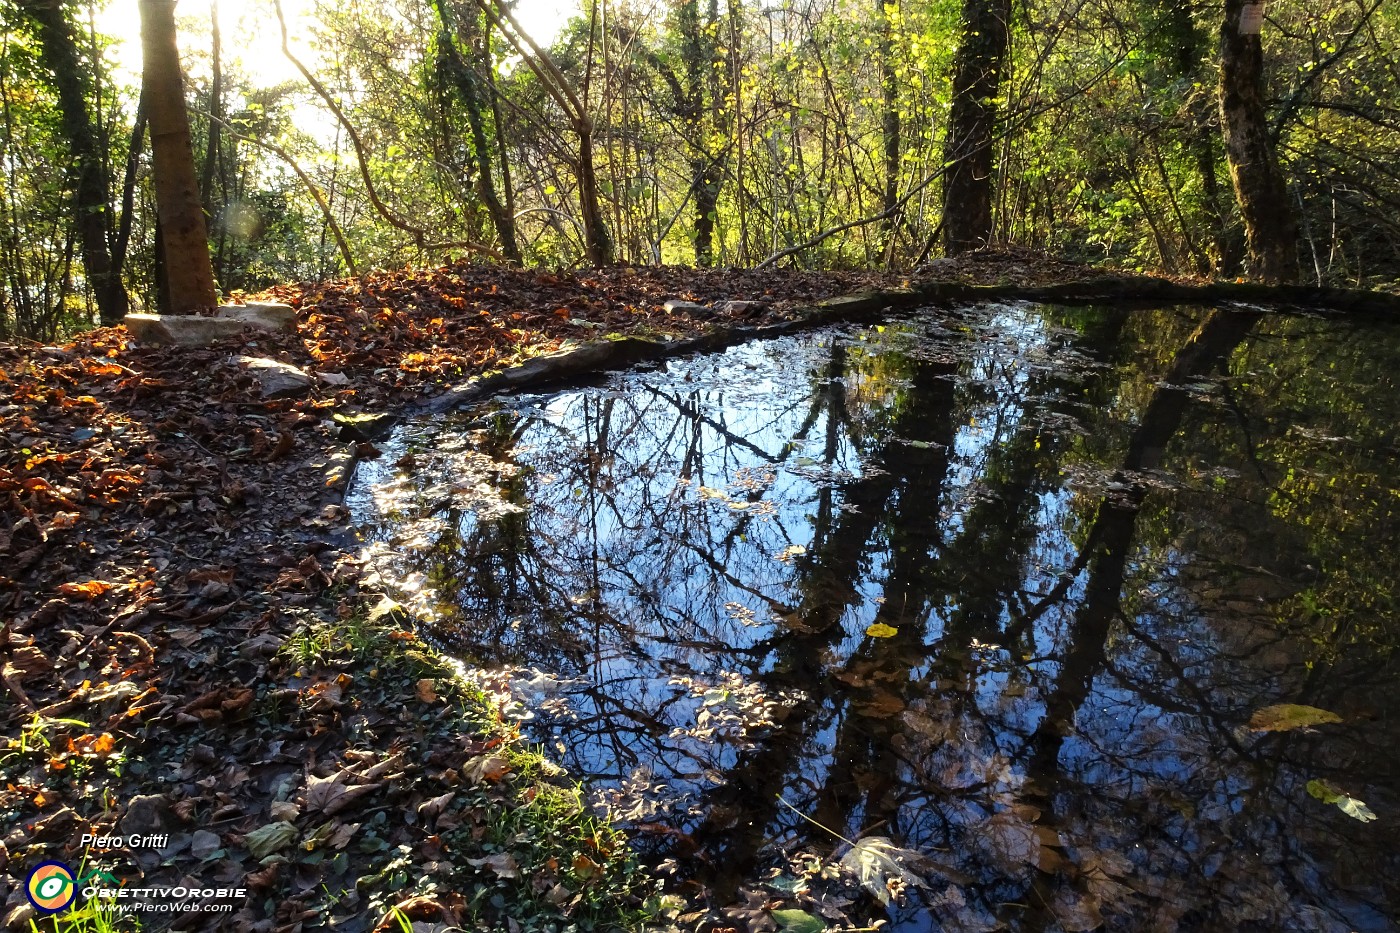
89	590
95	368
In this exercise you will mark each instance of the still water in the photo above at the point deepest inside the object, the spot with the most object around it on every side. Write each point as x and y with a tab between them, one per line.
1010	595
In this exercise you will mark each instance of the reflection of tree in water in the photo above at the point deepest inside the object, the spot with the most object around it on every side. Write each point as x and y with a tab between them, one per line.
1057	709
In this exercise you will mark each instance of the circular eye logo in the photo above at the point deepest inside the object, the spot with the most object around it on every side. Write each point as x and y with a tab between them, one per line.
51	887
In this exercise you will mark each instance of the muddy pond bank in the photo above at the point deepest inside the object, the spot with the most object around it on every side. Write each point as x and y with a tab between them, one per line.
1037	598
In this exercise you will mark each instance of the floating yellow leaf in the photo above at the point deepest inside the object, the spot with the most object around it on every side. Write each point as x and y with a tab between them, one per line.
881	630
1328	792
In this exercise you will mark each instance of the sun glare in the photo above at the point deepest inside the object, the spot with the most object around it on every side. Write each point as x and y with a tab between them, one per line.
251	40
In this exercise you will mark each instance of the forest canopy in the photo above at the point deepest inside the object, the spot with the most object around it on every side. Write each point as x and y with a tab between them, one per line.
1204	139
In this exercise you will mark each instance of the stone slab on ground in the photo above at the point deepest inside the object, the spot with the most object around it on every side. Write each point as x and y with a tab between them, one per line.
677	306
196	330
274	377
272	316
181	330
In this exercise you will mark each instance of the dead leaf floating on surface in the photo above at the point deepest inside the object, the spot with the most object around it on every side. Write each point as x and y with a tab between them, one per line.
1328	792
798	921
882	868
1285	717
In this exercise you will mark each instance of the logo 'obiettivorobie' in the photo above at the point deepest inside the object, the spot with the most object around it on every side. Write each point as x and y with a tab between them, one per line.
51	887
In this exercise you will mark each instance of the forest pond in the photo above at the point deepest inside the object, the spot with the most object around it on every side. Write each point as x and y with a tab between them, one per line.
1064	617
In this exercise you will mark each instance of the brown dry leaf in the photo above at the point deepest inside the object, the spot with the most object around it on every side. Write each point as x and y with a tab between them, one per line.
486	769
425	690
27	661
330	795
502	863
217	704
1075	911
1101	871
285	441
429	809
882	705
265	879
327	694
586	868
342	835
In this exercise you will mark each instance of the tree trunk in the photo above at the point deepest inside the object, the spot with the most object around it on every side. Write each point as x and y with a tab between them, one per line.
698	104
212	140
1270	228
186	242
597	242
468	88
133	165
58	51
977	70
889	124
1186	53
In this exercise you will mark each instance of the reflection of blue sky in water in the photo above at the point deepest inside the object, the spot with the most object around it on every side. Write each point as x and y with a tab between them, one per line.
1090	578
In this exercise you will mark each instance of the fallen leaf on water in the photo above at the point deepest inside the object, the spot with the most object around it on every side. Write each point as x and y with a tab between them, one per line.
881	630
1011	842
881	867
791	551
798	921
1328	792
1076	912
1287	716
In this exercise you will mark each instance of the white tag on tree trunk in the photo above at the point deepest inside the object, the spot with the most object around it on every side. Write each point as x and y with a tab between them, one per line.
1252	19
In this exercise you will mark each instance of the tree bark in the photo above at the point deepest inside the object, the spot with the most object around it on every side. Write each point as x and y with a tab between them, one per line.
699	104
889	123
467	85
597	241
1187	49
186	240
133	165
58	50
977	71
1270	227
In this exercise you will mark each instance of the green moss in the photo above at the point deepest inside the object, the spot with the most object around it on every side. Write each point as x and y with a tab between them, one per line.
516	844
